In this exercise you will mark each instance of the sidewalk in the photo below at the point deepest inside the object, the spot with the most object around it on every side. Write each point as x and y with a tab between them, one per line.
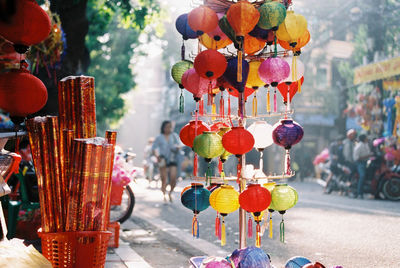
123	257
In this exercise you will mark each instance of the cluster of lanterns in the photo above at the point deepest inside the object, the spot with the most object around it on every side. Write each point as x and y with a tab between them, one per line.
254	30
21	93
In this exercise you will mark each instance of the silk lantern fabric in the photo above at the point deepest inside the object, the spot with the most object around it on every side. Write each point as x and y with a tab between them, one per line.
196	198
217	34
210	43
262	133
287	133
183	27
242	16
208	145
265	35
228	30
238	141
29	25
293	87
225	154
274	70
230	74
272	14
297	72
21	93
253	80
188	132
301	42
247	92
196	84
252	45
202	20
283	197
225	199
292	28
218	125
179	68
250	257
210	64
255	198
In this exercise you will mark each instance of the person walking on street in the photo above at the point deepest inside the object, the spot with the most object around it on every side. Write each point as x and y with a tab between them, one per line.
348	149
361	154
166	148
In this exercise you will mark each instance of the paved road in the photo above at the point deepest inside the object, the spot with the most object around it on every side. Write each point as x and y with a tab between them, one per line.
332	229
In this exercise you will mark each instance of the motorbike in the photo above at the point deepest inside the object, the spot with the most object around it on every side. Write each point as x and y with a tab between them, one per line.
340	180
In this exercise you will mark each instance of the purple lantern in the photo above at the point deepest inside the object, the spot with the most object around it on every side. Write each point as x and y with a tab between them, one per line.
250	257
183	27
230	74
287	133
266	35
273	70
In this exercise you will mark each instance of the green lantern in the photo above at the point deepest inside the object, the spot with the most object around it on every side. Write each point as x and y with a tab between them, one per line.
208	145
227	29
271	15
179	68
283	197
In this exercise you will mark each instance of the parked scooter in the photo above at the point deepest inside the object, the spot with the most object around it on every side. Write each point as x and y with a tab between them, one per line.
340	180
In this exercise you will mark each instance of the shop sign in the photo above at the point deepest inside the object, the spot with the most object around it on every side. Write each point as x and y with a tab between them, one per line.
391	84
377	71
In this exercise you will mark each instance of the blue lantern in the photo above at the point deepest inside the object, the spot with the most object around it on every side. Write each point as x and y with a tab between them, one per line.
183	27
231	76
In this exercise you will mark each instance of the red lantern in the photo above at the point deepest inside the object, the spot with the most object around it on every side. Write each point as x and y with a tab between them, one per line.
255	199
210	64
247	92
197	85
190	131
238	141
292	87
21	93
218	125
29	25
202	20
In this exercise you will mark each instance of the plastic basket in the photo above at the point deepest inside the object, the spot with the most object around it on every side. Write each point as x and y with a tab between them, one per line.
114	227
84	249
116	194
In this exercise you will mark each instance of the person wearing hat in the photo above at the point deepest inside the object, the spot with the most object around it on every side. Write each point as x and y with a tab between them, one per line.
348	149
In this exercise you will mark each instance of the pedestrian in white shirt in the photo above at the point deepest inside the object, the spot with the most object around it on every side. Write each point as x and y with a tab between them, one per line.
361	154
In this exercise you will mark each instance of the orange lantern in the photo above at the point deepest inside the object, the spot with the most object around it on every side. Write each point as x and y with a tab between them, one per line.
211	43
243	17
301	42
202	20
252	45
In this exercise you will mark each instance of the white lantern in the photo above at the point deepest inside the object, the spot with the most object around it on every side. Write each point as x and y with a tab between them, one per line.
298	72
262	133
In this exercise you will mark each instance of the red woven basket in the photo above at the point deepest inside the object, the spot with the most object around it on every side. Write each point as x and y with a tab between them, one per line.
116	194
84	249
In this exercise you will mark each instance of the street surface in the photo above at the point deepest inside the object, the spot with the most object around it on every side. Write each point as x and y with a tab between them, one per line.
332	229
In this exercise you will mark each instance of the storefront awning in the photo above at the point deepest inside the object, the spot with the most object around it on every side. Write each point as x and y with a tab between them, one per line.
377	71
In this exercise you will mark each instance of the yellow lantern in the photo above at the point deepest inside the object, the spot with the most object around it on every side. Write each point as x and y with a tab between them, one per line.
253	79
224	200
292	28
211	43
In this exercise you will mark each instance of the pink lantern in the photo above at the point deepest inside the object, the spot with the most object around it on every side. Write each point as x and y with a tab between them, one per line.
274	70
197	85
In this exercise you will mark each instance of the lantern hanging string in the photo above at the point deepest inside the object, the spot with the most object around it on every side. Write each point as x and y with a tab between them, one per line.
222	105
255	106
288	170
195	159
223	232
271	231
275	102
241	105
282	231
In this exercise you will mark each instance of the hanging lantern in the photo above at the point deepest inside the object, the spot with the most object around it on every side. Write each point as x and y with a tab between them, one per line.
296	69
272	14
224	200
238	141
242	16
191	131
272	71
208	145
228	30
287	133
247	92
262	133
252	45
202	20
230	74
217	34
211	43
29	25
253	79
182	26
178	69
292	88
262	34
197	199
283	197
301	42
21	93
216	127
224	156
210	64
255	199
292	28
195	84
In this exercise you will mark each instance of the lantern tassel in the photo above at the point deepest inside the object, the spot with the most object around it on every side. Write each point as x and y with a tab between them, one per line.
271	233
282	231
255	107
268	101
221	105
249	228
209	174
276	46
195	164
275	103
220	169
183	50
217	226
288	170
223	232
213	109
181	103
195	227
201	107
239	64
258	235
